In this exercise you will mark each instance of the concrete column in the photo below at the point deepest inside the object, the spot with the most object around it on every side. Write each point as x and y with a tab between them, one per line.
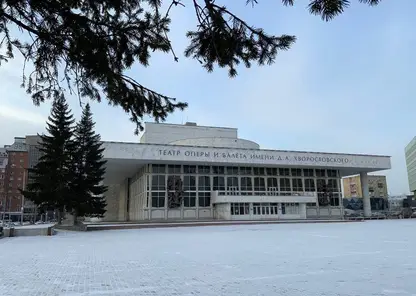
366	194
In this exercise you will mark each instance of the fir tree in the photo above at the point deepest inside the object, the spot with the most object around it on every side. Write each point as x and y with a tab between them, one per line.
88	170
50	177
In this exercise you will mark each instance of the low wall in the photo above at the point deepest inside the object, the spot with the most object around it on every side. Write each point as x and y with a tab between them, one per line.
28	231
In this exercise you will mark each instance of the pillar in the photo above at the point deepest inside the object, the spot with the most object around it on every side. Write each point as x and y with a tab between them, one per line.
366	194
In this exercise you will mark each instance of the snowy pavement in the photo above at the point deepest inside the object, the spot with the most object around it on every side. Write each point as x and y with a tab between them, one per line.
371	258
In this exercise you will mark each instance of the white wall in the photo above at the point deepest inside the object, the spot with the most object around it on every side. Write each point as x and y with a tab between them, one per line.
156	133
218	142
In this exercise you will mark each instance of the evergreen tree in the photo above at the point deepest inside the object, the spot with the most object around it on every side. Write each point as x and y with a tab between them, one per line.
96	42
50	177
88	170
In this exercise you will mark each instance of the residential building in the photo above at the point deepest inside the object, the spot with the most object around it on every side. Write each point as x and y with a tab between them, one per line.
3	164
410	155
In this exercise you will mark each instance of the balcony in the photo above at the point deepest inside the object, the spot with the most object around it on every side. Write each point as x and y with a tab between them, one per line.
234	196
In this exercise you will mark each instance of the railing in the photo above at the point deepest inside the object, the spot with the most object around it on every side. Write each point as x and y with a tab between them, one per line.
265	193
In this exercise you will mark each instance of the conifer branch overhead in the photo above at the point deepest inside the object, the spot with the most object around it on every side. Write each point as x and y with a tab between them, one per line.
87	46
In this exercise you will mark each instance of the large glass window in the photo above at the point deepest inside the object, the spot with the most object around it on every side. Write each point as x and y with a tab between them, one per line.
272	184
219	184
204	199
297	184
259	185
246	186
245	171
232	183
158	169
320	173
284	172
296	172
189	199
285	184
309	185
259	171
290	208
189	169
332	173
240	209
158	199
204	183
334	200
232	170
308	172
189	183
174	169
159	182
218	170
333	185
204	169
271	171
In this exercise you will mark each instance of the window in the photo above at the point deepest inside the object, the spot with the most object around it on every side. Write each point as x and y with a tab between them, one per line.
204	169
189	183
296	172
380	185
259	171
245	170
204	183
284	172
308	172
334	200
285	184
259	185
232	182
271	171
332	173
219	183
240	208
189	199
309	185
189	169
232	170
174	169
274	209
321	184
297	185
272	184
204	199
290	208
371	189
158	199
256	209
333	185
320	173
246	185
158	168
158	182
218	170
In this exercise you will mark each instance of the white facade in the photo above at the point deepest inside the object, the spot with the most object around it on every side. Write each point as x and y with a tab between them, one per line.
189	172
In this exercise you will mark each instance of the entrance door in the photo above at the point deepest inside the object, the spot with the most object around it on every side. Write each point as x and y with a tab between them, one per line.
265	211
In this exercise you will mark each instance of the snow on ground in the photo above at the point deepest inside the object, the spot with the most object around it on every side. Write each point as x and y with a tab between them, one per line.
371	258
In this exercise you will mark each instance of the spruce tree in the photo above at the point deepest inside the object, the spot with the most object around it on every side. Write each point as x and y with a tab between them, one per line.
50	177
88	170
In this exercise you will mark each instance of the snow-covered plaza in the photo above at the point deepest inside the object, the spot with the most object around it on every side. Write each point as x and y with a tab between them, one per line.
370	258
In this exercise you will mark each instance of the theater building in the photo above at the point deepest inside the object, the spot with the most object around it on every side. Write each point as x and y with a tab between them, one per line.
191	172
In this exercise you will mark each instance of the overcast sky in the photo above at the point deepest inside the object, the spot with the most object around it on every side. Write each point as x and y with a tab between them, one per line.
345	86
